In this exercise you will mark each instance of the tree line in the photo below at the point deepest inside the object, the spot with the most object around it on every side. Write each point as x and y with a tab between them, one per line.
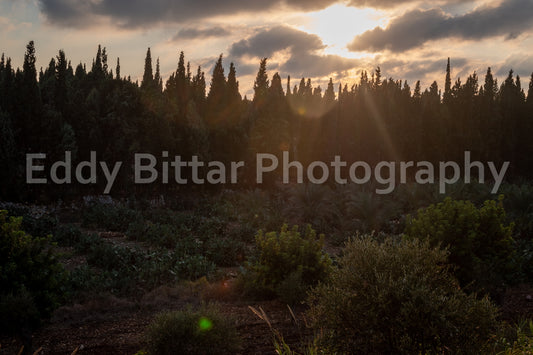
62	108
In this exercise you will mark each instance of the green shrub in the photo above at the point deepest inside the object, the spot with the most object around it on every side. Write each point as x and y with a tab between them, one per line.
163	235
31	278
111	217
137	230
479	239
67	234
224	251
39	226
202	332
280	255
398	298
123	270
192	267
518	204
523	342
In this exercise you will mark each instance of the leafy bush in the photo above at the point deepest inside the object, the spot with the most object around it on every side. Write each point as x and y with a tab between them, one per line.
479	239
203	332
398	298
123	270
30	277
39	226
108	216
67	234
163	235
518	204
311	203
225	251
192	267
523	343
285	254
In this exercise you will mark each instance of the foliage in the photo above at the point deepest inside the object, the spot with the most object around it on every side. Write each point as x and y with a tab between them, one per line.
225	251
311	203
108	216
398	298
30	277
203	331
524	340
371	211
284	256
518	204
86	108
67	234
479	239
280	345
124	270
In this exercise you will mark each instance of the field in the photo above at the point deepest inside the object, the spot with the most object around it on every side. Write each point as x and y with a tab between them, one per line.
124	261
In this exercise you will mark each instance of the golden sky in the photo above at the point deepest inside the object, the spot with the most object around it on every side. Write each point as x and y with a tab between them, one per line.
408	39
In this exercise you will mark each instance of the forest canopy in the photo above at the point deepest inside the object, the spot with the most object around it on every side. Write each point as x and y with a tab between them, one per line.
96	109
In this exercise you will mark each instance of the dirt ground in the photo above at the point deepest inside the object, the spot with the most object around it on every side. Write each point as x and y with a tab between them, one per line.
116	326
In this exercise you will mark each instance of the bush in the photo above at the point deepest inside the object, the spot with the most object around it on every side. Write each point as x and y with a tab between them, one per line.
192	267
31	278
479	239
39	226
202	332
518	204
68	235
111	217
288	253
225	251
523	342
398	298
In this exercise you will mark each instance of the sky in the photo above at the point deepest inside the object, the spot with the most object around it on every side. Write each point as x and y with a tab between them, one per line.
318	39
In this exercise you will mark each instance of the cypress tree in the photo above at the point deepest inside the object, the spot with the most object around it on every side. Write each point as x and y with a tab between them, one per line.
261	84
157	77
447	85
117	70
148	76
329	95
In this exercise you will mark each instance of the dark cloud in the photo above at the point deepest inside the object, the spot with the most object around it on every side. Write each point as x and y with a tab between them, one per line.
412	29
301	47
194	33
268	41
387	4
139	13
69	13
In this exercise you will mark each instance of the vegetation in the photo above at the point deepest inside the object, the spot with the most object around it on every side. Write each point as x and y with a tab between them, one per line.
479	239
203	331
398	297
31	279
98	114
387	293
287	263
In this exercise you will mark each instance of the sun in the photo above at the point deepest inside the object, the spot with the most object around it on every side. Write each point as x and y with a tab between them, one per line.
337	25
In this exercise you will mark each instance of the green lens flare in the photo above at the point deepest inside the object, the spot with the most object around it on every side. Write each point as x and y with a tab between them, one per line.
205	324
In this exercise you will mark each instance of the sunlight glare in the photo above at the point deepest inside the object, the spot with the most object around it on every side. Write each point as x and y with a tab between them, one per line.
337	25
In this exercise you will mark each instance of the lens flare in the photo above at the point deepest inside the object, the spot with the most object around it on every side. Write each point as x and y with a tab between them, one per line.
205	324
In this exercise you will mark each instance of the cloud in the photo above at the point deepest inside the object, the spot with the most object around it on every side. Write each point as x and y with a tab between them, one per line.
268	41
301	50
201	33
387	4
520	63
140	13
414	28
423	69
